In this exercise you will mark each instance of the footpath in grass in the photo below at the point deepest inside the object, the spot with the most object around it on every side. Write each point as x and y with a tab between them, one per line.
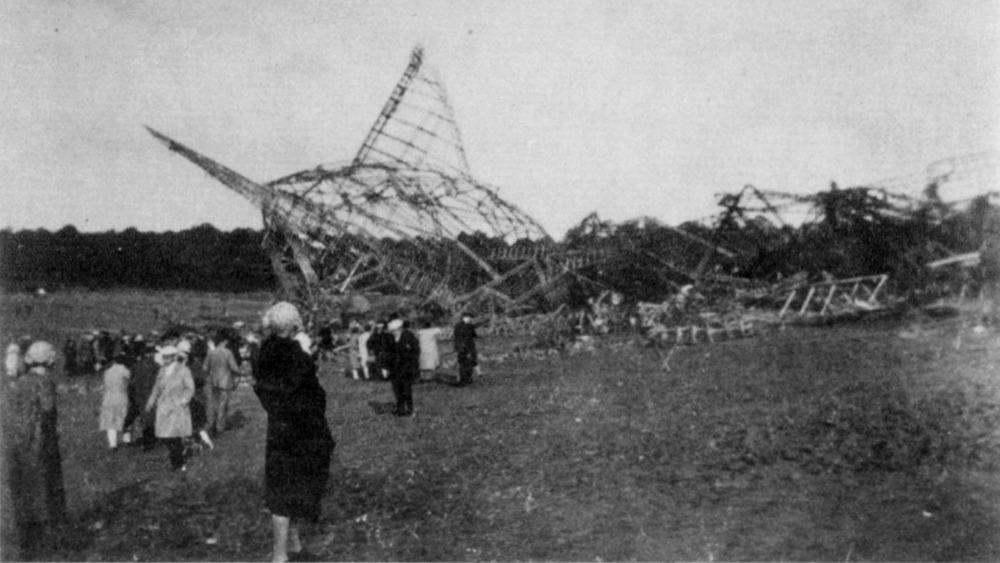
845	443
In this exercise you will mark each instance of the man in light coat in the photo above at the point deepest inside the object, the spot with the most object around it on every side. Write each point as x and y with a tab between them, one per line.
221	368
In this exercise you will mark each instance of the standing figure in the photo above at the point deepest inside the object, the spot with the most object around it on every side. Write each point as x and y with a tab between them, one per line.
250	352
114	405
69	357
326	343
85	354
299	443
13	362
198	407
465	349
380	345
103	350
32	463
221	370
171	396
144	370
430	358
363	351
374	345
403	359
354	365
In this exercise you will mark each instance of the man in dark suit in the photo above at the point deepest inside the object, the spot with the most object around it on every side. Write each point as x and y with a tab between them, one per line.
465	349
404	366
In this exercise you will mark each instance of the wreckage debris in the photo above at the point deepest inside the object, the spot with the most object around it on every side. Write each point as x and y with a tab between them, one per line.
853	294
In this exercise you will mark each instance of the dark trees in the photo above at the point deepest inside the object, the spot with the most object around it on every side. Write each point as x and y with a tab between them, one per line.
202	258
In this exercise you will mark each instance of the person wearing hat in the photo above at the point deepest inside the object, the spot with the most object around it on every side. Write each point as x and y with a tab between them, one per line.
299	443
403	362
32	463
171	396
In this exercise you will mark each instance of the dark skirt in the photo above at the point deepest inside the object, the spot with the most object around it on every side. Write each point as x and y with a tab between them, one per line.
297	466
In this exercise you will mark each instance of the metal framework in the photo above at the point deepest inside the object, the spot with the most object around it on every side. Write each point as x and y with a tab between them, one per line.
404	215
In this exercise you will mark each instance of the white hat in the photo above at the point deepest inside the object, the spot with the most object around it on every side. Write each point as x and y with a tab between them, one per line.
395	324
40	353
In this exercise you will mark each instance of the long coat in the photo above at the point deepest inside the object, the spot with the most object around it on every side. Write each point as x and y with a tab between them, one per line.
171	394
299	443
430	358
32	463
465	344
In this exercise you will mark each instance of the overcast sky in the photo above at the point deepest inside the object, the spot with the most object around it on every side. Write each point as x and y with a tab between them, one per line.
569	106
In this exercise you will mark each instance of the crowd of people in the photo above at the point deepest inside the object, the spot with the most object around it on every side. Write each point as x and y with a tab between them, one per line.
175	389
372	349
171	392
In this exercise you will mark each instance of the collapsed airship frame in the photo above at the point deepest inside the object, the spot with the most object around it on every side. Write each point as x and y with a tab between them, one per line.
405	215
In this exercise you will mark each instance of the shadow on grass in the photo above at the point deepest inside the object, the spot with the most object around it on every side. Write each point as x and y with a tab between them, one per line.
401	515
236	420
382	407
169	518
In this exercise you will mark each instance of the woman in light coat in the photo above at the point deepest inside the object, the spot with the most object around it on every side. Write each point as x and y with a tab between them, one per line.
430	358
114	405
171	396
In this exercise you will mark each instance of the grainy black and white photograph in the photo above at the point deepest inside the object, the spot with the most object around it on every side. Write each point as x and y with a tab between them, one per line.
441	280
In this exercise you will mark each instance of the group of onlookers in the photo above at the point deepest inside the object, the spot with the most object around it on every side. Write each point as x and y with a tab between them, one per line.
167	393
186	379
177	391
370	351
390	349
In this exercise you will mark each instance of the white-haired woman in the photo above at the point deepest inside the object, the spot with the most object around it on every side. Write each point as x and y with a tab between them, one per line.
171	396
299	443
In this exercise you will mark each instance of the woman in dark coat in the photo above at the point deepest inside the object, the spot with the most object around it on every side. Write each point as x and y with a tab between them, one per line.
299	443
32	463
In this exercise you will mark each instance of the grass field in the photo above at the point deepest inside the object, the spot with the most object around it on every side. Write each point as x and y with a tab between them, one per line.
876	441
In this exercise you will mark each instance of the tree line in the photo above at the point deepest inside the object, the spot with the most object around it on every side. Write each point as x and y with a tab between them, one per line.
855	234
200	259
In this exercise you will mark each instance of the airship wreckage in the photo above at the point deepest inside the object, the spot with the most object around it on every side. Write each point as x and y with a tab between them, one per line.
407	216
